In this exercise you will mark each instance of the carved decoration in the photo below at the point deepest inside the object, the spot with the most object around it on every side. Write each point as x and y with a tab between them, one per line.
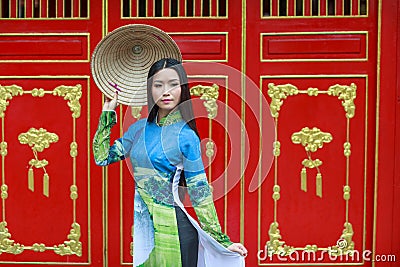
3	149
210	95
136	112
38	92
275	245
7	93
72	94
4	191
74	149
73	246
345	245
347	94
312	140
277	94
38	140
6	244
210	149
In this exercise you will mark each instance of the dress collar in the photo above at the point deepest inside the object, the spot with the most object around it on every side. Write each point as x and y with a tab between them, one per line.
171	118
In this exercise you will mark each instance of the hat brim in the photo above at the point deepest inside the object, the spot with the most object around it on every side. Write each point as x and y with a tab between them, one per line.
123	58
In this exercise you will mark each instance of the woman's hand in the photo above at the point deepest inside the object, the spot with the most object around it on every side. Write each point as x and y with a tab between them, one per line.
239	248
111	104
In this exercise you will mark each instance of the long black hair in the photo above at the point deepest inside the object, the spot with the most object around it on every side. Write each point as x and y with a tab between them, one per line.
185	104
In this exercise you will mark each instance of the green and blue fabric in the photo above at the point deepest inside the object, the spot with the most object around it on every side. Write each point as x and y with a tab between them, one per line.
158	153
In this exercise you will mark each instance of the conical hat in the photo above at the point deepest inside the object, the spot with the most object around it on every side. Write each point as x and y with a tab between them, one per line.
122	60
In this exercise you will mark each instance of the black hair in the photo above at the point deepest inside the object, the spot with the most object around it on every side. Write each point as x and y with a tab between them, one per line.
185	104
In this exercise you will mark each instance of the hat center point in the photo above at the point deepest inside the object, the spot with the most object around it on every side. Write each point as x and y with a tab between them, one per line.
137	49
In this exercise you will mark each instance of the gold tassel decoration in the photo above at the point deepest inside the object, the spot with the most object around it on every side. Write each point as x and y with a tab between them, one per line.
46	181
319	185
304	179
31	180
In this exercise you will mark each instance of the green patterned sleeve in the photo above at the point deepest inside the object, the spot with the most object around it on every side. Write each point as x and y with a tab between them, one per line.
202	200
104	154
198	188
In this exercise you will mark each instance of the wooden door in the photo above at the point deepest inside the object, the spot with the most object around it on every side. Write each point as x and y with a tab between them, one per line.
51	193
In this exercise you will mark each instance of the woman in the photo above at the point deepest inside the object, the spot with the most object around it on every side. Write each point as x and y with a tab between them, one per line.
164	150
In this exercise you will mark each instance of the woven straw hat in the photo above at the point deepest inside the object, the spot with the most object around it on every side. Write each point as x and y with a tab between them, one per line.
123	58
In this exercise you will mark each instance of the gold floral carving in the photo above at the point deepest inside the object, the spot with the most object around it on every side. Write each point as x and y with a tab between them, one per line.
346	93
347	149
74	192
38	163
7	93
38	247
345	245
275	245
74	149
277	148
346	192
38	92
308	163
6	244
73	246
210	149
311	139
277	94
3	149
4	191
136	112
276	195
73	95
38	140
210	95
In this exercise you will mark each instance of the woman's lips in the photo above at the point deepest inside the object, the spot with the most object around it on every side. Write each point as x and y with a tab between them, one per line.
166	100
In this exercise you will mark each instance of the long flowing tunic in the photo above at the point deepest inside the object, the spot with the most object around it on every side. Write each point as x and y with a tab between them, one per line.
158	155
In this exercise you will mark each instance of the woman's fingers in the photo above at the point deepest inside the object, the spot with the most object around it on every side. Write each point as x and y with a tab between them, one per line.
111	103
239	248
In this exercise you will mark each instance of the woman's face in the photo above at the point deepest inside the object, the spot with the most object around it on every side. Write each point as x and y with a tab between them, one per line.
166	90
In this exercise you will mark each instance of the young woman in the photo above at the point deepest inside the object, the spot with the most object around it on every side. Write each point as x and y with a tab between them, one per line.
164	150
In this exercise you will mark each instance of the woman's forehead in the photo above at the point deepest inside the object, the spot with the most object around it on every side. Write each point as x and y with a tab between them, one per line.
166	74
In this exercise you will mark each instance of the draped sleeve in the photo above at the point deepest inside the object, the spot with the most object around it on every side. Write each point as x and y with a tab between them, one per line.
104	154
198	188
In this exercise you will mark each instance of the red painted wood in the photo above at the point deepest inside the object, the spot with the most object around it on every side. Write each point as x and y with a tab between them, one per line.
28	8
43	9
166	8
322	7
339	7
48	220
314	46
354	7
387	233
42	48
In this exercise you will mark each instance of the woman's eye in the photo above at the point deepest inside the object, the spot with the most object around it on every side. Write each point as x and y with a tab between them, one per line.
174	84
157	85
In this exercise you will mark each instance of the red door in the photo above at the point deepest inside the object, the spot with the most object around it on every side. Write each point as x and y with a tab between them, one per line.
49	188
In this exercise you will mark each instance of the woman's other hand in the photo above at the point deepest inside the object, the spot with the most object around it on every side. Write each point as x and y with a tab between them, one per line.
239	248
111	104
